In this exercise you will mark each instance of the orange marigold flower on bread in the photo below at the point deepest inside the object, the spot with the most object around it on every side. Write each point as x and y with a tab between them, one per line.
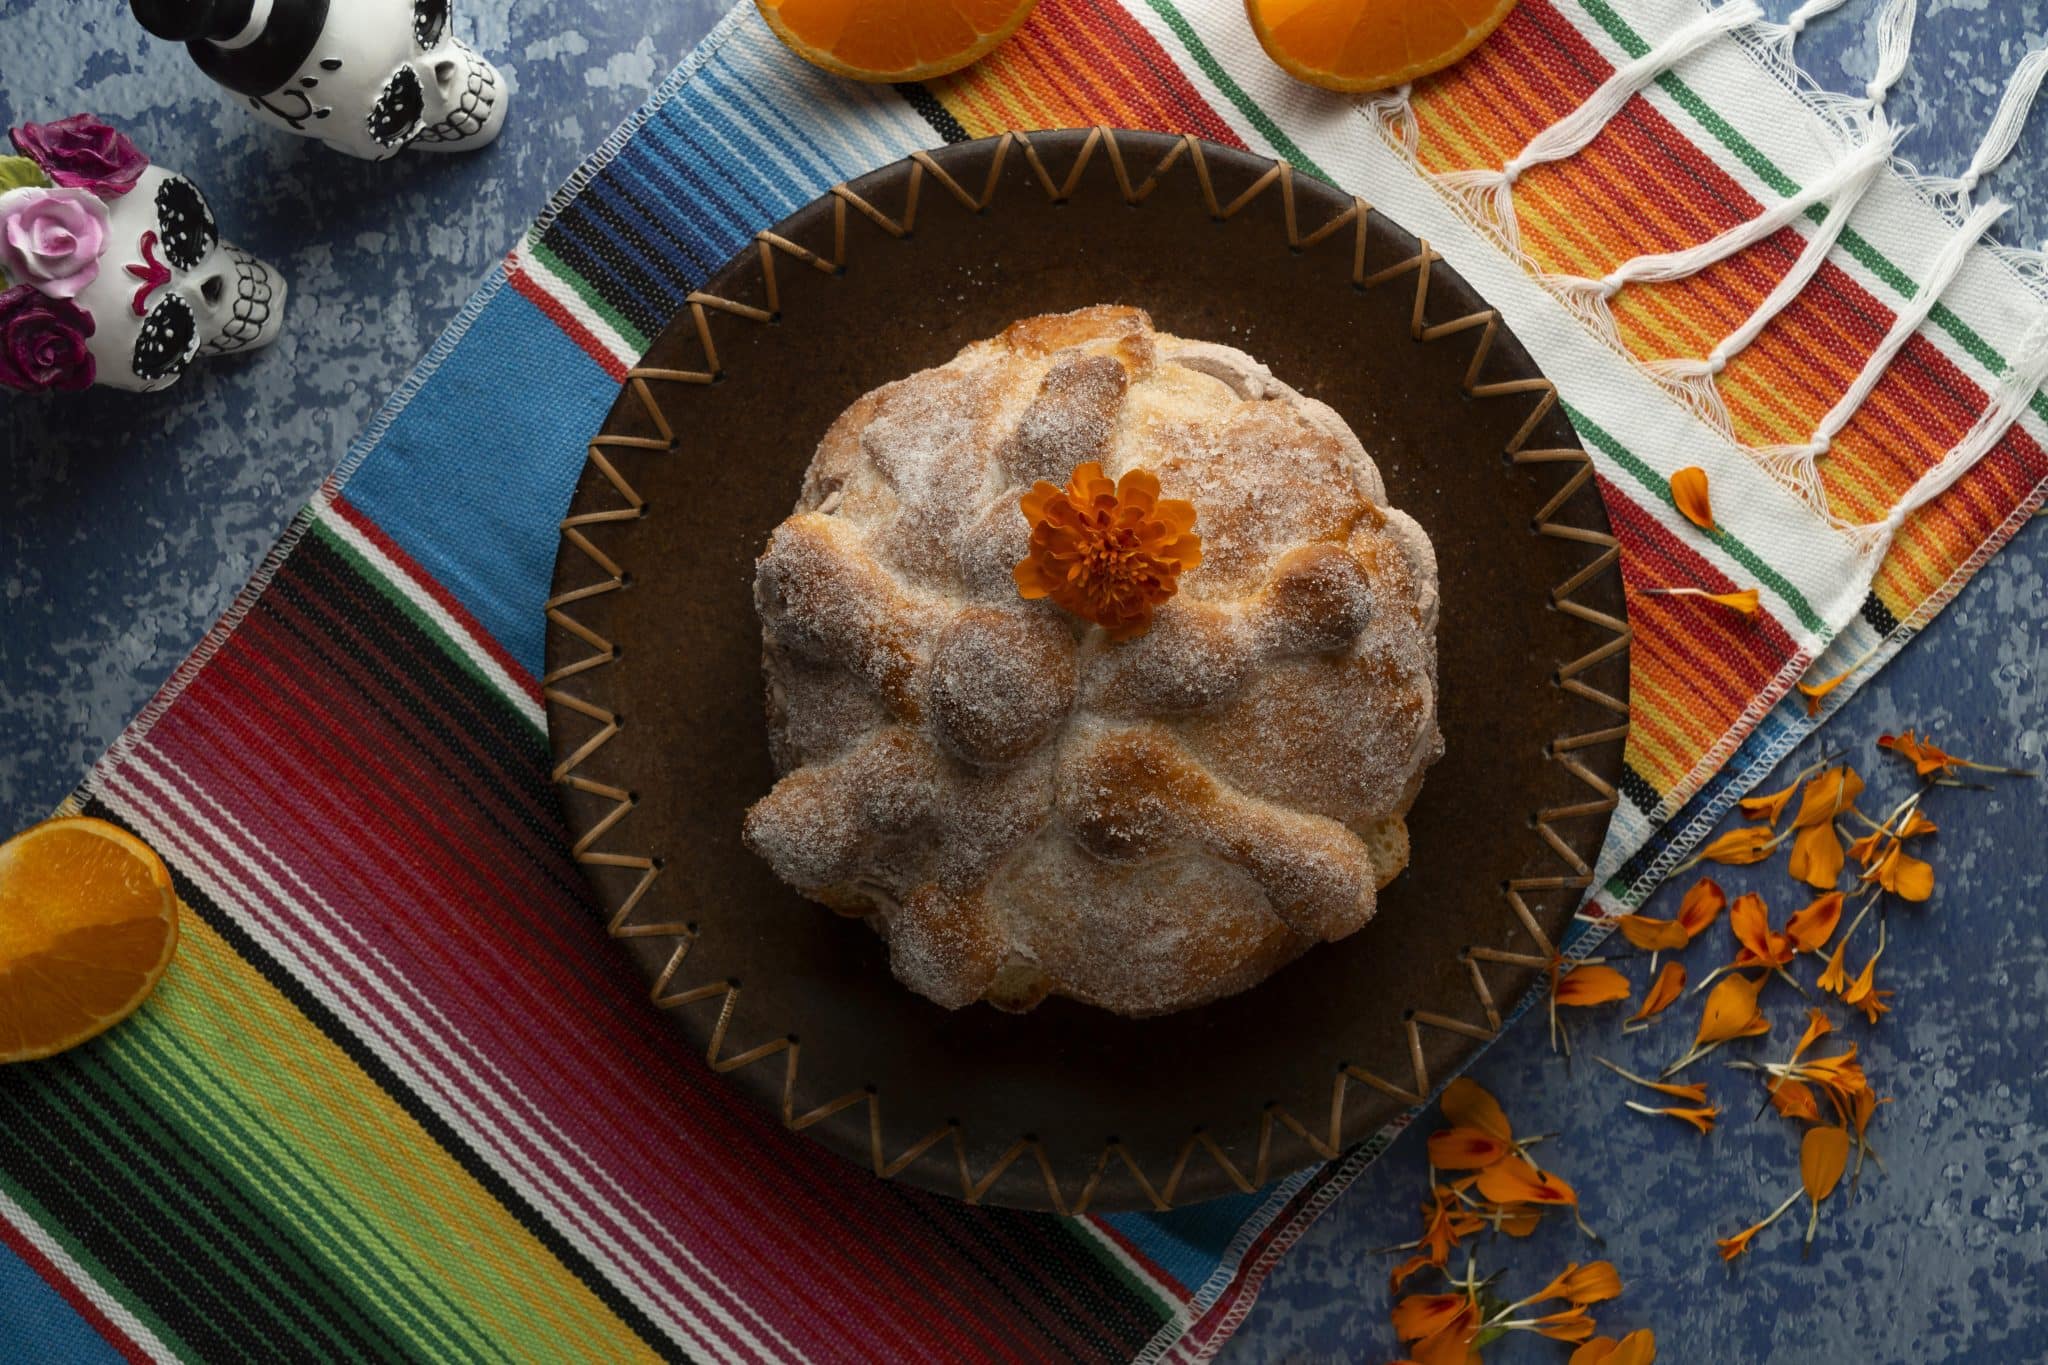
1110	553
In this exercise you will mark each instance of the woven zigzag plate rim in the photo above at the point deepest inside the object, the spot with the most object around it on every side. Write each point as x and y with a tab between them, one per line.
939	1158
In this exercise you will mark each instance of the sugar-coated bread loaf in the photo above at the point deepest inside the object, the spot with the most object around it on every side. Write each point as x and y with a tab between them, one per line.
1025	806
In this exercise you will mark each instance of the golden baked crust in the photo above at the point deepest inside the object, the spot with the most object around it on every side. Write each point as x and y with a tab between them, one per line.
1025	808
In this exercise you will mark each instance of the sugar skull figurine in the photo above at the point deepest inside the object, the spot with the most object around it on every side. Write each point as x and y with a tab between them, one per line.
112	270
371	77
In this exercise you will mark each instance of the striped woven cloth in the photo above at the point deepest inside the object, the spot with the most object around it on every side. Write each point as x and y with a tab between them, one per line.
400	1098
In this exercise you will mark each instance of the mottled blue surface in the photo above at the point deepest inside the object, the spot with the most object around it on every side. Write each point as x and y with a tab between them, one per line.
126	526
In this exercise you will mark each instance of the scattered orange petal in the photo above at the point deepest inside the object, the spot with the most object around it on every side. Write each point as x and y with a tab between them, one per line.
1918	824
1861	992
1591	985
1925	757
1731	1011
1834	979
1689	495
1828	794
1744	601
1573	1324
1467	1104
1816	693
1637	1348
1823	1156
1740	846
1107	552
1769	808
1750	922
1905	876
1652	935
1464	1149
1794	1099
1867	849
1817	1028
1668	986
1816	856
1593	1282
1731	1247
1811	928
1512	1180
1701	906
1701	1118
1423	1315
1414	1265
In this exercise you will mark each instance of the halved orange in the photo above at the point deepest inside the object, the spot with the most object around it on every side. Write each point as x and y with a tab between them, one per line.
893	40
1358	45
88	922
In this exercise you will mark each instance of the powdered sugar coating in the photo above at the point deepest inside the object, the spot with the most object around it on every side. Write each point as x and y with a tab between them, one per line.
1025	808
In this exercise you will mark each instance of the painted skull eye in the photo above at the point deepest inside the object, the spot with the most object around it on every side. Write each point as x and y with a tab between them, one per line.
396	115
184	224
168	341
429	21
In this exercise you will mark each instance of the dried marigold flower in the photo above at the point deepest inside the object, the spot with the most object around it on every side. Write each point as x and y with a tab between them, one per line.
1109	553
1689	495
1637	1348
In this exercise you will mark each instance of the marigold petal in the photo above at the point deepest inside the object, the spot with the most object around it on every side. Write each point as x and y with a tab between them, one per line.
1637	1348
1823	1156
1702	906
1740	846
1731	1011
1591	985
1666	989
1817	1028
1834	979
1918	824
1652	935
1906	876
1512	1180
1768	808
1816	857
1464	1149
1421	1315
1749	920
1409	1268
1745	602
1794	1099
1829	793
1593	1282
1811	928
1816	693
1689	495
1467	1104
1573	1324
1731	1247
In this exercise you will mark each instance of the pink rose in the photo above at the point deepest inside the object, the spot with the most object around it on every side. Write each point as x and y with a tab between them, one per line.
52	239
42	342
83	153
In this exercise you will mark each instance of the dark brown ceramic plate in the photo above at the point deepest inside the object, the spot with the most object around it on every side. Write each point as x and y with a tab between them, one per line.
654	687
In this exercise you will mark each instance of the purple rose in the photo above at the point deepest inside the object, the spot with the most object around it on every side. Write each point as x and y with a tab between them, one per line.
52	239
83	153
42	342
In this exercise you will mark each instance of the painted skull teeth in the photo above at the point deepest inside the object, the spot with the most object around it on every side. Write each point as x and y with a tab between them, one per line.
473	110
255	298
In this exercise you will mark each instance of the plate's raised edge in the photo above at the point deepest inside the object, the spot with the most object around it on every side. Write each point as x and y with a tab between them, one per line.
1322	1132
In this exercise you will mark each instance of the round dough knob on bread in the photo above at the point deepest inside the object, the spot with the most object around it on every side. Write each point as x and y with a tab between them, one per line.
1024	806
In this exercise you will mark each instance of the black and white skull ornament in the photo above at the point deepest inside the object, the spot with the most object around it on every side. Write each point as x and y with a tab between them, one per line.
112	270
170	291
370	77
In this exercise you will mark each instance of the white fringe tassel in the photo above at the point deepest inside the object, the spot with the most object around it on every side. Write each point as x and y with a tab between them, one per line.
2004	133
1693	379
1784	36
1392	111
1795	462
1489	194
1894	42
2009	404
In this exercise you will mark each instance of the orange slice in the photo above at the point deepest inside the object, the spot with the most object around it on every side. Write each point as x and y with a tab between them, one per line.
893	40
1357	45
88	922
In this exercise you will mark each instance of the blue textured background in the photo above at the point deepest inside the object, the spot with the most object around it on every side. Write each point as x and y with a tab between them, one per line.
127	525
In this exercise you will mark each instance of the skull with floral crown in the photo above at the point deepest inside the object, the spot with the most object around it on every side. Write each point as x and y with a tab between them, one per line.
370	77
112	271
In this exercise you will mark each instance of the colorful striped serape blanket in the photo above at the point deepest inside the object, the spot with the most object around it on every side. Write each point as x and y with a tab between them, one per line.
401	1099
